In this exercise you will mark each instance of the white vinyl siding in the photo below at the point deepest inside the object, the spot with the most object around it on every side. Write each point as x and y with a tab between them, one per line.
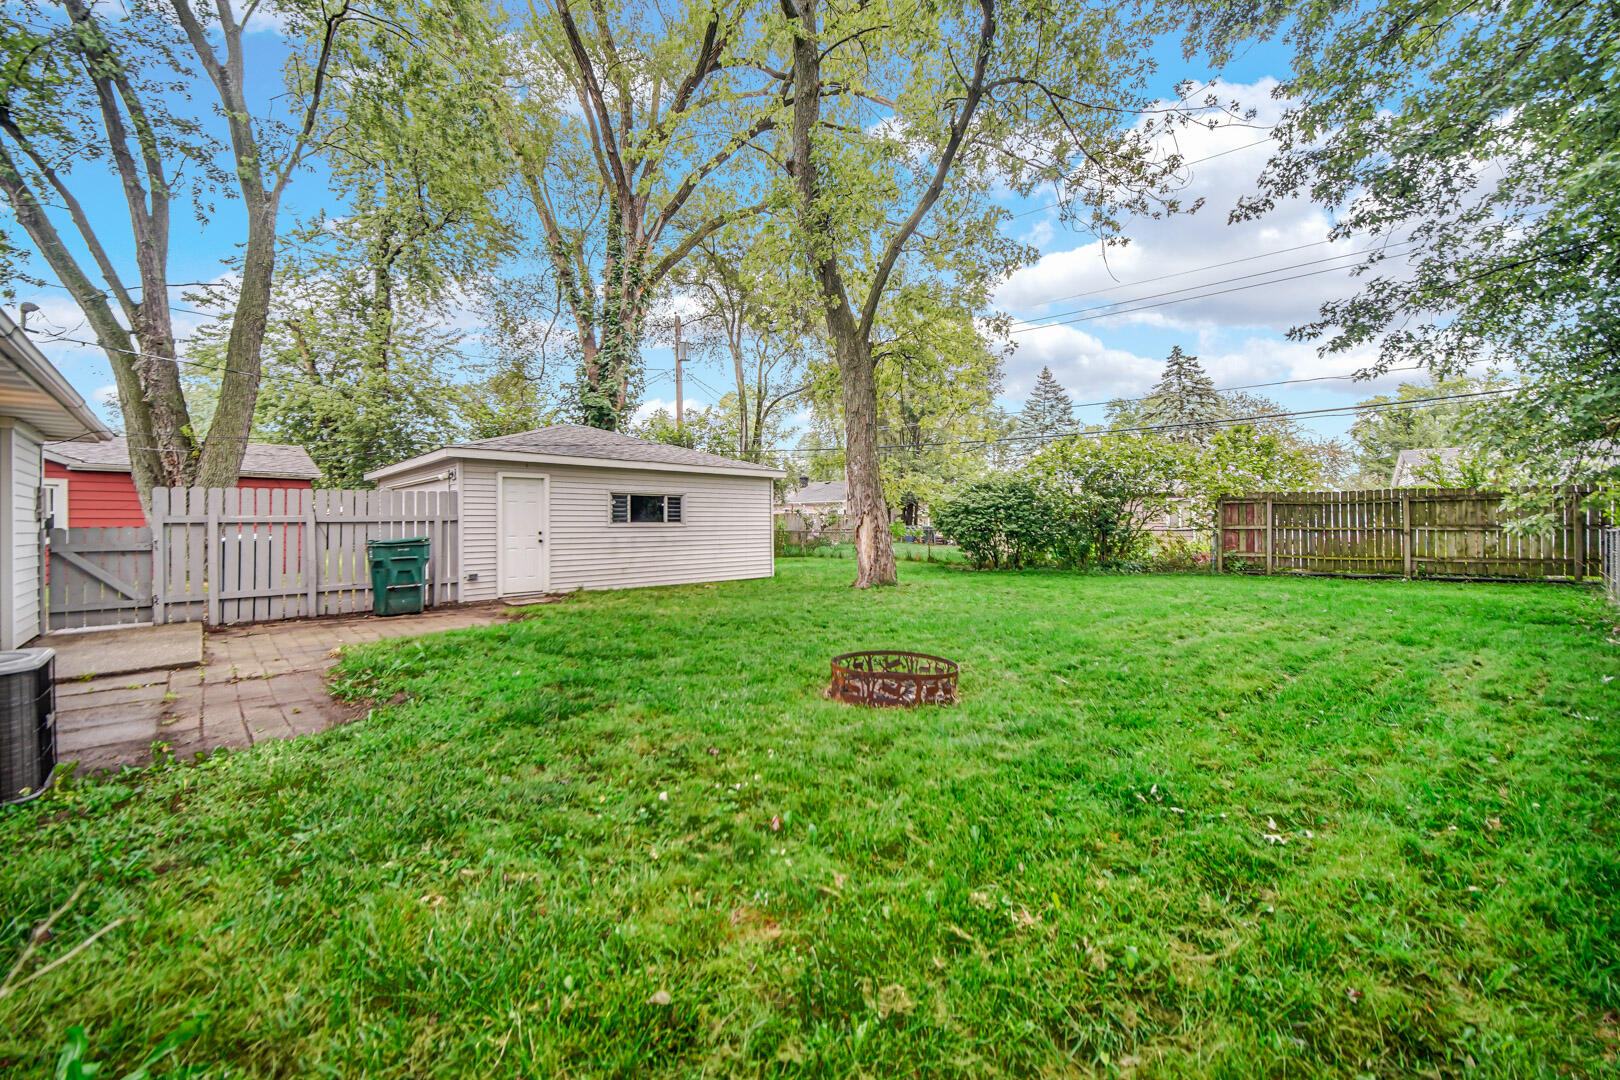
725	534
21	473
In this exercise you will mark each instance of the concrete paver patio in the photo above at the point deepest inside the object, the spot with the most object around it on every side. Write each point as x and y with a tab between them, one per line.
261	681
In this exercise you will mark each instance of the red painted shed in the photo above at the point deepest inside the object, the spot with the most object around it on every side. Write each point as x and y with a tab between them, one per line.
94	483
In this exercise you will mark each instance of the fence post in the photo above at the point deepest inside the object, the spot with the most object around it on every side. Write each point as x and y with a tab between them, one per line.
1270	548
1407	560
312	566
215	608
160	554
1578	524
1220	536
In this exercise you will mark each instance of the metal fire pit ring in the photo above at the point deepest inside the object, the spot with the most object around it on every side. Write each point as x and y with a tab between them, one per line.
890	677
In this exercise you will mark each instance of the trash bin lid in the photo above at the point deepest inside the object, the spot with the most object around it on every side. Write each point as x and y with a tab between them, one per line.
396	543
17	661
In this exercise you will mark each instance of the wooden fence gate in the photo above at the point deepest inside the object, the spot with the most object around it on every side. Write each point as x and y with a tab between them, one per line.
231	555
1403	532
99	577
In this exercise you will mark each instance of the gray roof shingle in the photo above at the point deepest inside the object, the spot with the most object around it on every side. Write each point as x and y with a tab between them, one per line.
577	440
261	459
822	491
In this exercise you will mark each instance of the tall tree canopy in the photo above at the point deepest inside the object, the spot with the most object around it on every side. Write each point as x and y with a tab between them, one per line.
1048	411
756	321
81	85
1380	434
904	126
1472	148
1183	402
639	130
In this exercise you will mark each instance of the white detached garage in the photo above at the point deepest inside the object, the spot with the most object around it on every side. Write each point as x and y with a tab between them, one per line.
572	507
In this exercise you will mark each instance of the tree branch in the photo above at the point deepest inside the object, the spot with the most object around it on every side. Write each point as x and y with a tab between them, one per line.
936	185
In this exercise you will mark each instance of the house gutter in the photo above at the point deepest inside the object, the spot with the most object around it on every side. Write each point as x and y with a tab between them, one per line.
32	363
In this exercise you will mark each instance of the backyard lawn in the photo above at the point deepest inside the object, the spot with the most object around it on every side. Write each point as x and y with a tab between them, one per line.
1178	826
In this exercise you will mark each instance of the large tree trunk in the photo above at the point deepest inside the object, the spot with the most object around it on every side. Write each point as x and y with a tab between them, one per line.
866	512
221	460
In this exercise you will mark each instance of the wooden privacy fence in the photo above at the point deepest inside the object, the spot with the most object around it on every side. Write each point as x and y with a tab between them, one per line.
226	555
99	577
229	555
1403	532
1609	559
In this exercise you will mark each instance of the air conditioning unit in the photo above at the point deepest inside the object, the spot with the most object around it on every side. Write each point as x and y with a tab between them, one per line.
27	722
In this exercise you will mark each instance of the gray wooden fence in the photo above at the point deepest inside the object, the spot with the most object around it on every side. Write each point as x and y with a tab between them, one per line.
233	555
99	577
1403	532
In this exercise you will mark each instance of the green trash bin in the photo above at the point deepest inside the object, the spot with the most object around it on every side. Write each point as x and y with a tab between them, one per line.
398	575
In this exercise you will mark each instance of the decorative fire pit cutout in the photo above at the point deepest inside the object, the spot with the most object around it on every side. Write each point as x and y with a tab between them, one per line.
887	677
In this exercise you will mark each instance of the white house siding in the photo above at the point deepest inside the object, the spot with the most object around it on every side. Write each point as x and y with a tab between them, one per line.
726	535
21	472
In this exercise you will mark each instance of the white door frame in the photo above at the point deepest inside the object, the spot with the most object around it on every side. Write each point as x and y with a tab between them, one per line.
500	527
58	486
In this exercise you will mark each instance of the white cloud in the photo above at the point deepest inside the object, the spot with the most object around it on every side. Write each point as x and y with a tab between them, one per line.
652	405
1270	274
1088	369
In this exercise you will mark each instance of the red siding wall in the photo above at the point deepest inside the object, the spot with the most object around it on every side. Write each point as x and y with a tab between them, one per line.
104	500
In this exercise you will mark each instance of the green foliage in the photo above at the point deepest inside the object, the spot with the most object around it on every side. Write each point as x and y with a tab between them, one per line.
1242	458
1001	522
1047	412
1470	149
712	429
71	1063
1170	554
936	389
1183	402
1106	490
755	320
360	383
1381	434
1186	404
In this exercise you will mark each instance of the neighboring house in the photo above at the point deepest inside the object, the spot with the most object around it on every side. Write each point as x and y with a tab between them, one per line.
1179	519
818	497
90	485
36	404
572	507
1409	464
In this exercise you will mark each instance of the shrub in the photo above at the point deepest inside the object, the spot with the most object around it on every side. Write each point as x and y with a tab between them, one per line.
1178	555
1006	521
1104	490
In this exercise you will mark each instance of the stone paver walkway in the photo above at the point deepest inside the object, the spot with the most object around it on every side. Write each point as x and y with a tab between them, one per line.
264	681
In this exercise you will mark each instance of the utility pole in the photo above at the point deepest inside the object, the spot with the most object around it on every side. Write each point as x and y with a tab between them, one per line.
680	354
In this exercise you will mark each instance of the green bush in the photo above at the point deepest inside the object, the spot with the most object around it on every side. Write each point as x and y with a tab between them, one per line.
1002	522
1178	555
1104	491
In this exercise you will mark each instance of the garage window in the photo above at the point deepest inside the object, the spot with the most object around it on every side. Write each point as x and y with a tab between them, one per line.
633	509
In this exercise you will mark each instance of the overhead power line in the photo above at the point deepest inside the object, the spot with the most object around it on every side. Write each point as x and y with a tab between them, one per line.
1058	318
1231	421
1173	300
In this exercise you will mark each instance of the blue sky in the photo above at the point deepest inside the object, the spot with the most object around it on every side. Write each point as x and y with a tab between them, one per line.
1239	336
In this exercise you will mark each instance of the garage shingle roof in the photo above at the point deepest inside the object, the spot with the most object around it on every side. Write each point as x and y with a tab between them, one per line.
577	440
261	459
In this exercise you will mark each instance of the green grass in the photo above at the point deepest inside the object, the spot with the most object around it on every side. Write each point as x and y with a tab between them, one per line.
1178	826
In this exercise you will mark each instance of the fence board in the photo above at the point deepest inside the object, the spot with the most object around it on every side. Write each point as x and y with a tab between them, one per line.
1405	532
245	554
